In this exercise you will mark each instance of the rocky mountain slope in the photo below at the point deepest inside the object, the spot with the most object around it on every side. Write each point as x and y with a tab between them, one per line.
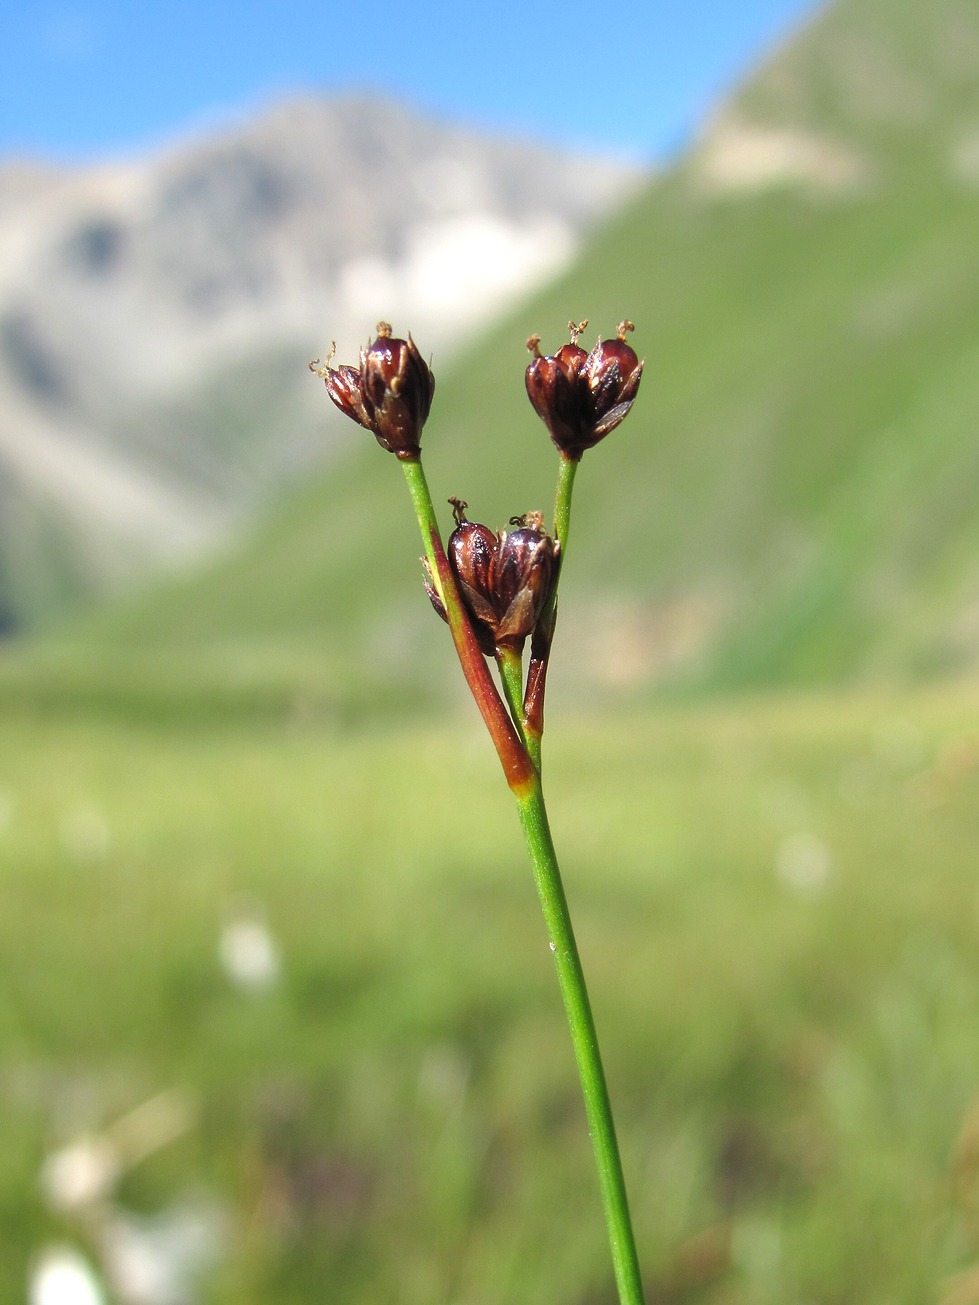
155	315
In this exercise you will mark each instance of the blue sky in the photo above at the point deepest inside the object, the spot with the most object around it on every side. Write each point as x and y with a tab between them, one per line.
111	76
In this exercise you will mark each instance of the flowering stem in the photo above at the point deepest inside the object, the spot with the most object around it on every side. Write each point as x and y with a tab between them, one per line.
521	761
598	1108
540	646
517	765
421	501
562	501
510	664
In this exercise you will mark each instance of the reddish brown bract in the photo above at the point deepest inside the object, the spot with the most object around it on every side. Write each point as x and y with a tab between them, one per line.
390	392
581	397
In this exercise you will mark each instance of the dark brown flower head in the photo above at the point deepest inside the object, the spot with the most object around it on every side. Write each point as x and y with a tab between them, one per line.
390	392
470	550
524	571
581	396
505	579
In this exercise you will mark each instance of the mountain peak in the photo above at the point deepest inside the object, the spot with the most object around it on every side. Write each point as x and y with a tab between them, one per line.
156	312
872	69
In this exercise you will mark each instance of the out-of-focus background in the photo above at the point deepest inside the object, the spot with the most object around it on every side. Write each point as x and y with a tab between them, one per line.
277	1017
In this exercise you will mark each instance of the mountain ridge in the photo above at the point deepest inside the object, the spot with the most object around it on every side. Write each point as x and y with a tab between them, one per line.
136	295
786	504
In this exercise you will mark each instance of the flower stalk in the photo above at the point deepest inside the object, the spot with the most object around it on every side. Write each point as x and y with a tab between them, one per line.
540	646
496	591
584	1038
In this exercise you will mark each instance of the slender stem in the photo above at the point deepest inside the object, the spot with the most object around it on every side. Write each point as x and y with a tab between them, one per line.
540	646
562	500
523	775
421	501
510	663
598	1108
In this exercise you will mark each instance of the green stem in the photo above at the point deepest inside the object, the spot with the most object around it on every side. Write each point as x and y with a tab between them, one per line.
598	1108
421	501
510	663
540	645
562	501
524	780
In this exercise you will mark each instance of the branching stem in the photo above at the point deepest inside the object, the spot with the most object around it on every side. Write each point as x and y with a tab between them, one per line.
518	746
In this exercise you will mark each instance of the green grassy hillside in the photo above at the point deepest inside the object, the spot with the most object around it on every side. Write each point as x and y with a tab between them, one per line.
791	499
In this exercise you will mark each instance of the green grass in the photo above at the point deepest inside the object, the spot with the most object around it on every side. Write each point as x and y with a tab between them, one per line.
792	1060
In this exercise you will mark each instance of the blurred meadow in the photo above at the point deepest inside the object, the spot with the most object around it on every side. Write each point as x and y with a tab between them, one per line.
278	1020
312	959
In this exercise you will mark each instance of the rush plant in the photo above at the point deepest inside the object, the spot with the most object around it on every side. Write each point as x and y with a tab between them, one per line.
496	591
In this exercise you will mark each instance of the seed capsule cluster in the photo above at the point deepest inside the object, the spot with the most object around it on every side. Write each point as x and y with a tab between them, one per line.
390	392
582	396
506	580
